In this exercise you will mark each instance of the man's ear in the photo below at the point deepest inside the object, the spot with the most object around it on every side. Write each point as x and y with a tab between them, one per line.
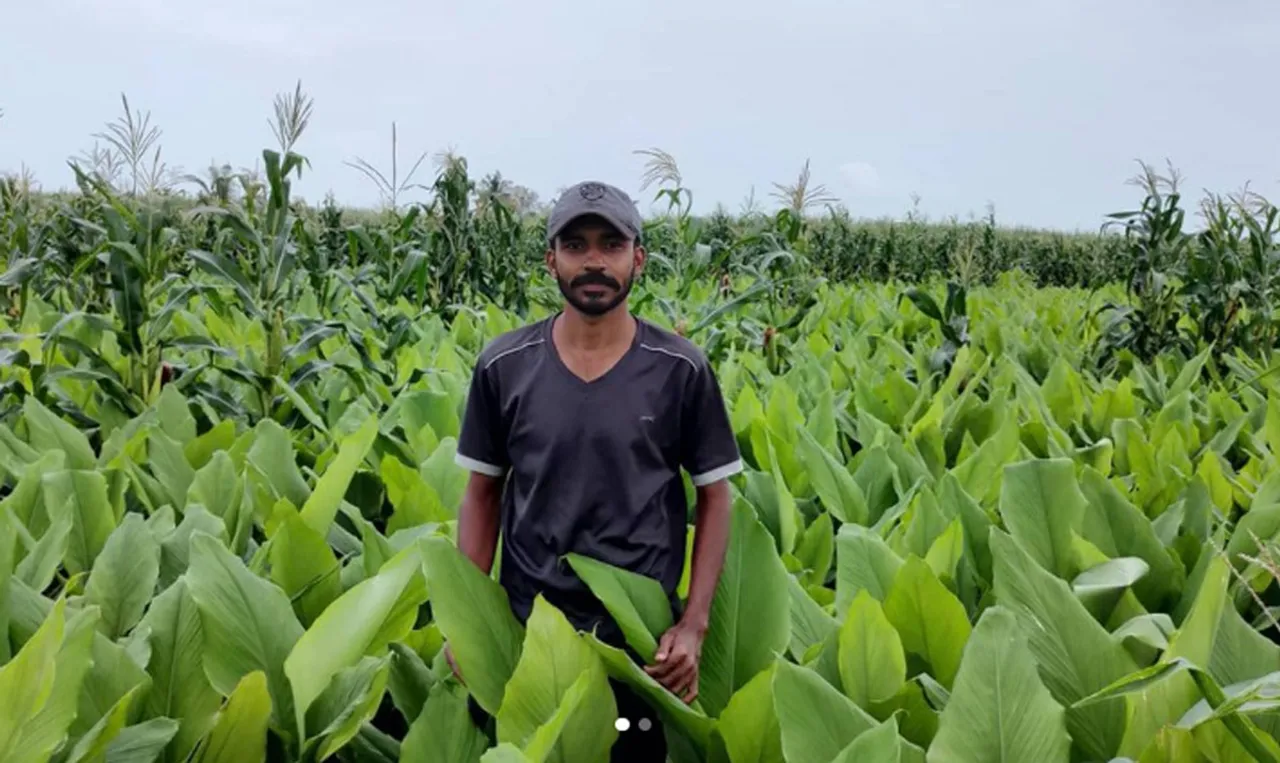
550	258
639	259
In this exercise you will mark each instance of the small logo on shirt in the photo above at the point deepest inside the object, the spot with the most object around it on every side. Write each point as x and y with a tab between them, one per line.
647	418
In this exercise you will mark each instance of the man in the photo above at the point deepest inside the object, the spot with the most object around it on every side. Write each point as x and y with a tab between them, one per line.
575	432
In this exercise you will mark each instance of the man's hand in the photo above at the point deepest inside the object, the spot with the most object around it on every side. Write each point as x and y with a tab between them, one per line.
676	662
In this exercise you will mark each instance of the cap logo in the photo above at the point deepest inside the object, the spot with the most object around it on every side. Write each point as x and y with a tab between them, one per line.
592	191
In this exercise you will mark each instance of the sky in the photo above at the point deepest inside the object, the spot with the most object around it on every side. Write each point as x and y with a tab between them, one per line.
1040	109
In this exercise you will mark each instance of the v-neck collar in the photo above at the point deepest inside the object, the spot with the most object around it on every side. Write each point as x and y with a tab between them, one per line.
550	344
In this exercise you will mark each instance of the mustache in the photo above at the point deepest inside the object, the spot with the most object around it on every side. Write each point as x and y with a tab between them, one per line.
594	278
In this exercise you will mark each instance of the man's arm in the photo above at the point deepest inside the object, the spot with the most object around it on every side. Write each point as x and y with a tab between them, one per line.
710	540
478	519
482	451
711	457
677	661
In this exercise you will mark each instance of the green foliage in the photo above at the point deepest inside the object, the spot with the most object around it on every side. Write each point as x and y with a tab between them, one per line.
982	519
917	551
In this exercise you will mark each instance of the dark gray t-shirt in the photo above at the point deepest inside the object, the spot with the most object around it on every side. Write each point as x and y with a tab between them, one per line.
594	467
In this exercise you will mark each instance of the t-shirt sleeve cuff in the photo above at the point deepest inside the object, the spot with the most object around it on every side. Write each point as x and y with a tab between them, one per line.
476	465
717	474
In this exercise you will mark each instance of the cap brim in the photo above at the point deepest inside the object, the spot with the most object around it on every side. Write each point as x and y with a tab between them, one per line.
611	219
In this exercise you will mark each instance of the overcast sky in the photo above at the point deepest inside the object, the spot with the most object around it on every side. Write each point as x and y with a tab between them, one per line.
1040	108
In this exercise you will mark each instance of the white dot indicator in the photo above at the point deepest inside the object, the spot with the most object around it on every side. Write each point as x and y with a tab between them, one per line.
622	724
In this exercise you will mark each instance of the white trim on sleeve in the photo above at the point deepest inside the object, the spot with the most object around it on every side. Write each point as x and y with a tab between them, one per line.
478	466
719	473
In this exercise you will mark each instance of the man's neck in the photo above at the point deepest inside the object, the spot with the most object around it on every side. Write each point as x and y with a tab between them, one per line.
594	333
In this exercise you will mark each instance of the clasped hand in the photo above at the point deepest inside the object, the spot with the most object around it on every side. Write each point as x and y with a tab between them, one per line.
677	659
675	663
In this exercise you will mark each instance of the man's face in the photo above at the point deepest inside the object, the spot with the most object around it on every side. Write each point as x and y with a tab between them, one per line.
595	265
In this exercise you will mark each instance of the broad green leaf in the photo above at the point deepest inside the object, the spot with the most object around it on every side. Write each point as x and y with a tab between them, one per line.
863	560
444	730
1240	652
881	744
361	622
1042	506
748	727
303	565
999	711
955	501
174	416
816	549
27	684
247	623
410	681
124	576
1118	528
221	437
42	682
689	720
475	616
944	555
347	703
1074	654
143	742
40	566
1168	699
810	623
816	721
505	753
112	674
750	614
15	455
982	474
636	602
1172	745
217	488
430	407
93	745
175	548
170	466
930	619
27	501
272	454
1145	636
179	687
240	733
873	666
1164	684
443	476
544	740
81	497
774	502
876	473
1212	472
922	524
1062	393
552	659
322	505
47	431
835	485
414	501
1101	586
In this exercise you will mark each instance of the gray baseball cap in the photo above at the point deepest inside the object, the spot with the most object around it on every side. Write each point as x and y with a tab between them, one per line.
594	198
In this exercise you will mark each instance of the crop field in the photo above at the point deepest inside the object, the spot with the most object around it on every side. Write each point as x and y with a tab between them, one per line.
1011	496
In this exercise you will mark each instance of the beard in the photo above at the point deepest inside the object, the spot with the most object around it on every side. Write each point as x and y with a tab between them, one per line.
590	306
